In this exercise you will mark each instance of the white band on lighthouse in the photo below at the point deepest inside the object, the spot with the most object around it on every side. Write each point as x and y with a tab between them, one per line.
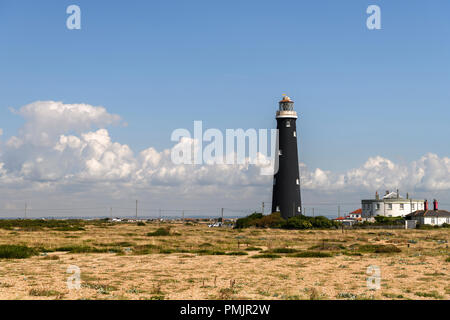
286	114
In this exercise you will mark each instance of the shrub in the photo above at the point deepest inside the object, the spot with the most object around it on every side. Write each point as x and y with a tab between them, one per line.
381	220
140	224
253	249
159	232
266	256
379	248
433	294
247	221
237	253
298	222
328	246
312	254
16	252
273	220
43	293
81	249
304	222
210	252
283	250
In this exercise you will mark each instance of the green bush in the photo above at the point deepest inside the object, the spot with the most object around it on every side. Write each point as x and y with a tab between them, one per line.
82	249
253	249
273	220
266	256
379	248
209	252
283	250
16	252
237	253
304	222
312	254
159	232
381	220
247	221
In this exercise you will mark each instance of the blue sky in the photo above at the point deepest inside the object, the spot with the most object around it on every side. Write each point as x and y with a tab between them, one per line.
160	65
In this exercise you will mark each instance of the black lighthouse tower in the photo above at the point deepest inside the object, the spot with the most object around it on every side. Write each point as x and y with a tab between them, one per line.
286	196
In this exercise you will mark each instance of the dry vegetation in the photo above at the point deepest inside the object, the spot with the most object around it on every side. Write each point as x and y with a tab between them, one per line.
126	261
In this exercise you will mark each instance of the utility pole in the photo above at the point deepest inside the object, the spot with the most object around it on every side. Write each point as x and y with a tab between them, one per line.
313	212
339	211
136	209
110	212
263	207
183	216
25	210
160	214
222	215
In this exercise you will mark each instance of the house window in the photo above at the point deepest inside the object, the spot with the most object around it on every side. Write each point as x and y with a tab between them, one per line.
288	124
390	206
295	134
378	206
402	206
433	221
413	207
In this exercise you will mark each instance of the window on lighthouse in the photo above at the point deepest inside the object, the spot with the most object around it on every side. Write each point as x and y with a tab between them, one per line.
280	153
295	134
299	209
297	181
288	124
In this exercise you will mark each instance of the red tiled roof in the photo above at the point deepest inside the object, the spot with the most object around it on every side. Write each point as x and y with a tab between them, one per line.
359	211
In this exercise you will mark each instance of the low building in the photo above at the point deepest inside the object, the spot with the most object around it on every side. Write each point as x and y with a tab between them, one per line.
351	218
391	205
433	217
357	214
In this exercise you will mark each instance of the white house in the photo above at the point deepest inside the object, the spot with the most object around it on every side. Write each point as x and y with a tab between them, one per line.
391	205
433	217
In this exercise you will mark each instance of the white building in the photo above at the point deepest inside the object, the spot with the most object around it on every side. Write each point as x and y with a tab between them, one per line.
391	205
433	217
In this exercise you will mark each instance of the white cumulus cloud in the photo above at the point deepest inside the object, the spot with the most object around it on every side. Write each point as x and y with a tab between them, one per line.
65	150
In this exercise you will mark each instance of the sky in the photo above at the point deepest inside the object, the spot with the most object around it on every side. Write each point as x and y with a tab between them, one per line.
86	115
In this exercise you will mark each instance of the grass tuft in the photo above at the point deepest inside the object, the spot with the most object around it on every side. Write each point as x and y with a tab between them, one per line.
16	252
312	254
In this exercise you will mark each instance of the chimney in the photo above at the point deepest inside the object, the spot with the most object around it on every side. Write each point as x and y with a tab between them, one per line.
398	194
387	192
435	205
407	195
377	196
426	205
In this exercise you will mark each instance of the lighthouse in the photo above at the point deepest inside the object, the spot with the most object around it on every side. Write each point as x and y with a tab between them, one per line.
286	196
